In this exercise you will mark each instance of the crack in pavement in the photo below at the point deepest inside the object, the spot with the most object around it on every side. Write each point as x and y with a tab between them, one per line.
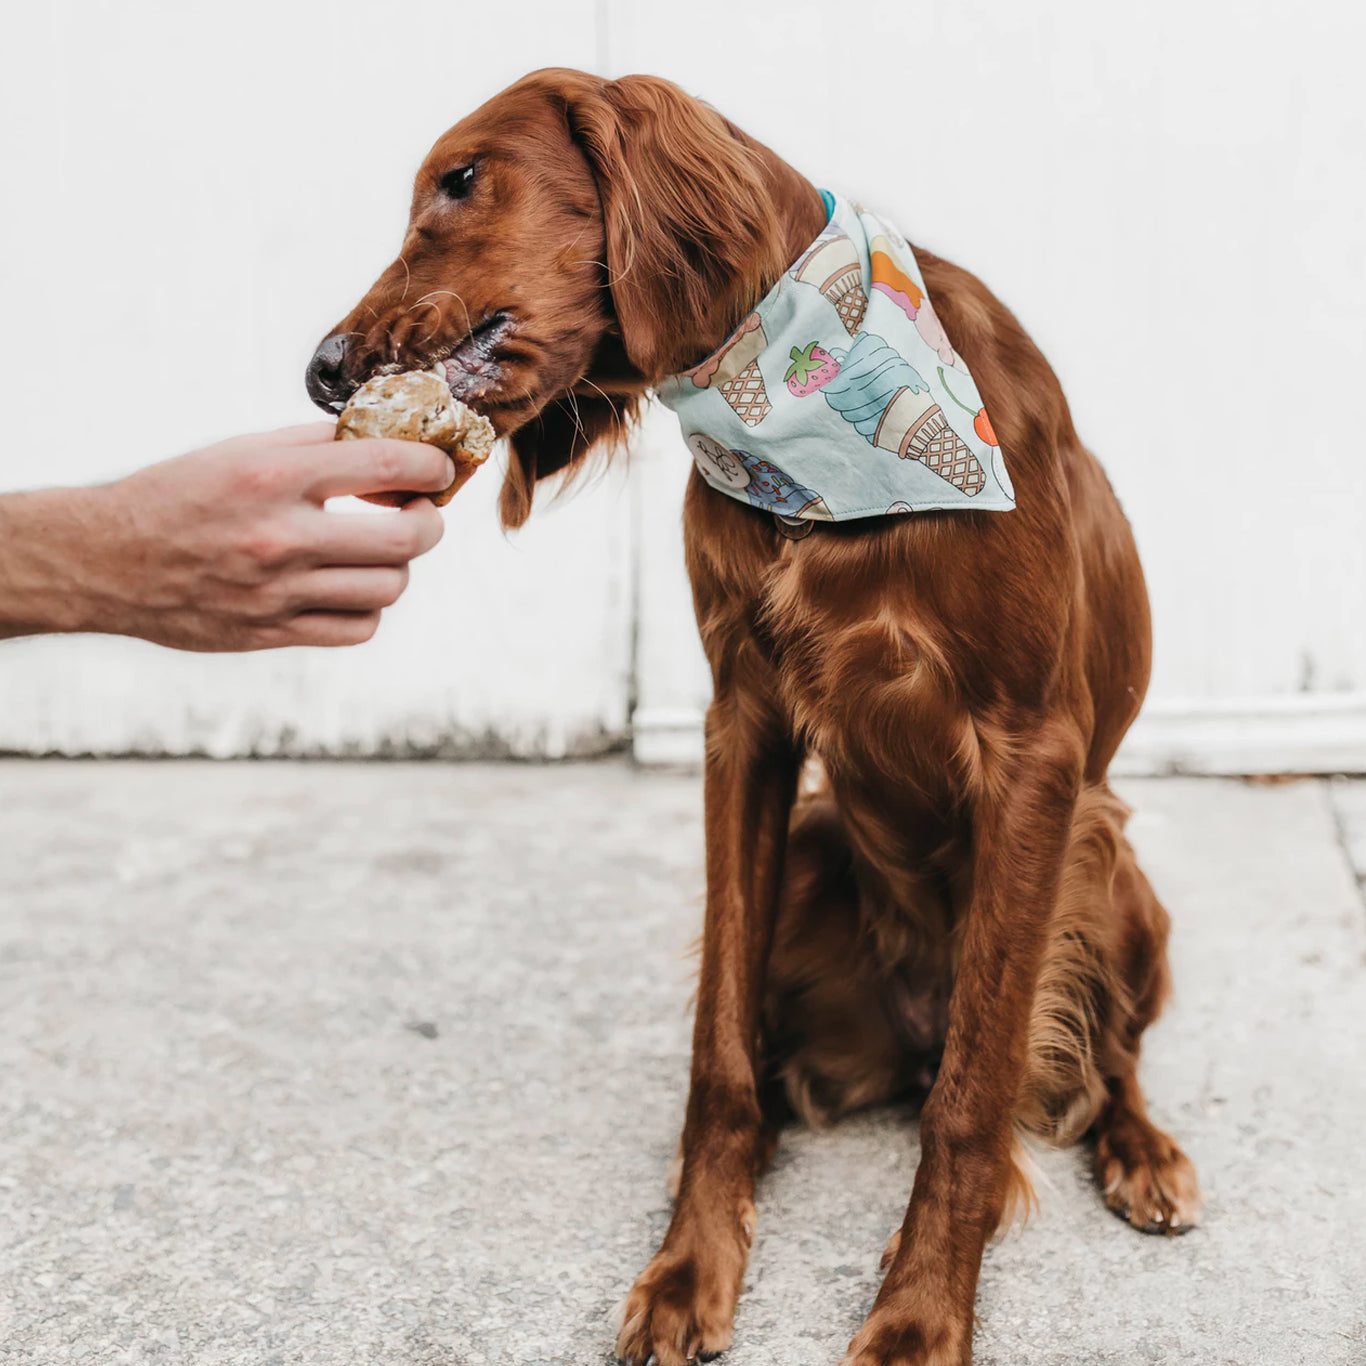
1338	819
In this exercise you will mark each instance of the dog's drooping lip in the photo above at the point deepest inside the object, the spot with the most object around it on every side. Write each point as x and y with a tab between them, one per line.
471	368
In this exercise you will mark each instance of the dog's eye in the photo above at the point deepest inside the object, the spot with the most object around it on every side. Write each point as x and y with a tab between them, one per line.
458	183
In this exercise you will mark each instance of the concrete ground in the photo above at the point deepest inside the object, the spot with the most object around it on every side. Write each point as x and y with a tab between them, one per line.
384	1064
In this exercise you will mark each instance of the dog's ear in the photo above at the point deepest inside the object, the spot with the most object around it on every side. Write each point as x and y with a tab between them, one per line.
554	440
691	226
693	239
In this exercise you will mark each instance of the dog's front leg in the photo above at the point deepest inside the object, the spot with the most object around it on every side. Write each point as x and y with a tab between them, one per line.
923	1314
683	1304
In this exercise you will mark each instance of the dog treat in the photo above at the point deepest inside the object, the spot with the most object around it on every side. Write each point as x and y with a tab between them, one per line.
417	405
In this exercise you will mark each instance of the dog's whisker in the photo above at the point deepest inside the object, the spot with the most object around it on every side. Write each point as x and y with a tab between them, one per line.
433	293
616	415
574	413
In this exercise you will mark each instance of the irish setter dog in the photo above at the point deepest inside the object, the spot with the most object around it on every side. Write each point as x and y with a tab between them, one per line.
955	907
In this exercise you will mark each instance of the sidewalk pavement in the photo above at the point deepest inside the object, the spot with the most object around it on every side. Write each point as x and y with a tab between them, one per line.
385	1063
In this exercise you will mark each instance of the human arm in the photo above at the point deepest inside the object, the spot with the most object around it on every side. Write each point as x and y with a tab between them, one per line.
226	548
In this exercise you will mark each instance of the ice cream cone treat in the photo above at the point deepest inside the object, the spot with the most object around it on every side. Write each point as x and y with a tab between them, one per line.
734	371
833	266
885	398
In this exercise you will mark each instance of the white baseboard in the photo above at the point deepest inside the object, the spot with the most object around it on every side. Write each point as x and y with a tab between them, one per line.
1300	733
667	736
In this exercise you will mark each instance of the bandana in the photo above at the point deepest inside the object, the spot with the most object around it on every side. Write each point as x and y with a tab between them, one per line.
840	395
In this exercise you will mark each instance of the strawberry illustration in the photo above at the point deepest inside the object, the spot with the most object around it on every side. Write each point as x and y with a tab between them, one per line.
811	367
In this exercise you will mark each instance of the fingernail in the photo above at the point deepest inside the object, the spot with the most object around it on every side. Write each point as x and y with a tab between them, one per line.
450	470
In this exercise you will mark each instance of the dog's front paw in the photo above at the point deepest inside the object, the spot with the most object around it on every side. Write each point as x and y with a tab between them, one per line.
895	1334
683	1306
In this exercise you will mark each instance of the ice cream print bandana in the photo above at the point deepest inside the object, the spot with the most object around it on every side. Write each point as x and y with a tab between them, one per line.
840	396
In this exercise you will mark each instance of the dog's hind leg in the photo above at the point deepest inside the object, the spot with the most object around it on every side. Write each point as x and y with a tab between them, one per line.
1105	980
846	1023
1145	1177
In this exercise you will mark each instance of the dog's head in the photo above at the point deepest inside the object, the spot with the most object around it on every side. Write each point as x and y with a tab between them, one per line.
569	244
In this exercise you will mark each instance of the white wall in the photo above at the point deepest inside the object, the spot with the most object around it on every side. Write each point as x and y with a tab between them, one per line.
182	208
1170	197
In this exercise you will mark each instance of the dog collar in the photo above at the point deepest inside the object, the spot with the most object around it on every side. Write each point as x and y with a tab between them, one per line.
840	396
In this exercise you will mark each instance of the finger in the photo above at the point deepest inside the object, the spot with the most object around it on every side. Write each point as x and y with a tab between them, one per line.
427	525
357	538
350	589
377	465
283	438
305	434
330	629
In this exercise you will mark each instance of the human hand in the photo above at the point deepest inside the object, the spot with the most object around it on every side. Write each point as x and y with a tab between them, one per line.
226	548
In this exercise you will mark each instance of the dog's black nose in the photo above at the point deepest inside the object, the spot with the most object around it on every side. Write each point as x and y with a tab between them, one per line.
326	384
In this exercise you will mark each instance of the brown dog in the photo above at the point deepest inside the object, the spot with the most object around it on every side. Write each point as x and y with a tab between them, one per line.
958	902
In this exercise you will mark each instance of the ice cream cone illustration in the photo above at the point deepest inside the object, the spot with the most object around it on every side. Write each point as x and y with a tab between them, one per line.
939	448
761	482
776	491
833	266
884	397
890	279
734	369
932	333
